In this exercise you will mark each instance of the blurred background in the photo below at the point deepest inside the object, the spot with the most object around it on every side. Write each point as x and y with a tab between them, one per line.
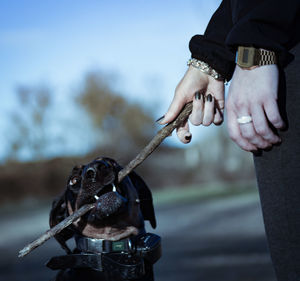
82	79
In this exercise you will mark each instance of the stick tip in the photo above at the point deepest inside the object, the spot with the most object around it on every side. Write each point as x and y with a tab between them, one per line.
22	253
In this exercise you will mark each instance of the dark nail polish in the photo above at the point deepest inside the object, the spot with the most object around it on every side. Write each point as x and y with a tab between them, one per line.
189	137
160	118
198	95
209	97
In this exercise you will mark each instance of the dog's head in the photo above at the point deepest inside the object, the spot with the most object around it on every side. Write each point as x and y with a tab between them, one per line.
91	181
119	206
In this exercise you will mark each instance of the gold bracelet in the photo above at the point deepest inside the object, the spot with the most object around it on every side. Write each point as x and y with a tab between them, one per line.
205	68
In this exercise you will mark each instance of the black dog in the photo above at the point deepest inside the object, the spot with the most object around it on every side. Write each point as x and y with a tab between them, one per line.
111	242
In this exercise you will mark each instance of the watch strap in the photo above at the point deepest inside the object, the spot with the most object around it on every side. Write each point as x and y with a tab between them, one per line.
247	57
267	57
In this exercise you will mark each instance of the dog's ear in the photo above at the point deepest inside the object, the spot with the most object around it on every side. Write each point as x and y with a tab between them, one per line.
59	213
74	180
145	197
58	210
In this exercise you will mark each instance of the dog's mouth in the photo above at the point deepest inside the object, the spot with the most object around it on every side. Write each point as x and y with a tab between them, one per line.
109	202
106	189
93	191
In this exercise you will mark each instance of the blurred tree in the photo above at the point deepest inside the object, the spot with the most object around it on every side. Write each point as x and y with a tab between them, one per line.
121	124
29	131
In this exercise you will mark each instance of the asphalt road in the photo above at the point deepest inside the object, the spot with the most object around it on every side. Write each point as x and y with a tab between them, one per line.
211	240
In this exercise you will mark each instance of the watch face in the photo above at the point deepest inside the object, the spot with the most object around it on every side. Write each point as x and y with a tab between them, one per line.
246	57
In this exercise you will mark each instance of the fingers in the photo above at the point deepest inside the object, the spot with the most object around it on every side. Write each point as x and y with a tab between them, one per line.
272	112
248	132
196	116
235	132
176	106
205	110
261	126
209	110
218	118
257	133
183	132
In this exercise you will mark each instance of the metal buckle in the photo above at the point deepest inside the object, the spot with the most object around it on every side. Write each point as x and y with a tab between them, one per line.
93	245
118	246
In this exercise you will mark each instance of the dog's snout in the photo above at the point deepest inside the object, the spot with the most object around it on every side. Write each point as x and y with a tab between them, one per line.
96	170
90	173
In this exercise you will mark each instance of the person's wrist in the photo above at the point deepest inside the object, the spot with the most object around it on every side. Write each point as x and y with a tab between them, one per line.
205	68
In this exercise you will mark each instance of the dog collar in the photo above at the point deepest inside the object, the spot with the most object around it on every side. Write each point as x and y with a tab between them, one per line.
147	249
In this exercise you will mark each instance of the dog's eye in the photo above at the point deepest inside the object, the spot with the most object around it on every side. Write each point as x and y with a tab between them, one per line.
73	181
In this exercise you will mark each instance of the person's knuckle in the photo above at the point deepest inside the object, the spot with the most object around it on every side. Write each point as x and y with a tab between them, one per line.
249	135
262	130
246	147
218	122
229	106
265	145
275	119
240	103
233	135
206	123
195	121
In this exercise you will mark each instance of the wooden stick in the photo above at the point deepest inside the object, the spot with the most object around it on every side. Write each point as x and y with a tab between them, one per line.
54	230
156	141
150	147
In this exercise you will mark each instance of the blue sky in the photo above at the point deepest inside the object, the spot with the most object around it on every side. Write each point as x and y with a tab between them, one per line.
145	43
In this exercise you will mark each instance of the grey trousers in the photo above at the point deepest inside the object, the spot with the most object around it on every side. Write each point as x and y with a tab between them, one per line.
278	176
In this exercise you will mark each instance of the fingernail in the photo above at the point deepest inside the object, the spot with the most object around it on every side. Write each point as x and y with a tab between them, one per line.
209	97
160	118
198	95
188	137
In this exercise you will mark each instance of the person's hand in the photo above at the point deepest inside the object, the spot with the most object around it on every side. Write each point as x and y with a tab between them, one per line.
207	95
254	93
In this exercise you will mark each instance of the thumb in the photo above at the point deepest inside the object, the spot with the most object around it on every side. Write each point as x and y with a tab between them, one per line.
176	106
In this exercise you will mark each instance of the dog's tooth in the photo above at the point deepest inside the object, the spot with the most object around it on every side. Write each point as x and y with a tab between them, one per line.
96	197
114	188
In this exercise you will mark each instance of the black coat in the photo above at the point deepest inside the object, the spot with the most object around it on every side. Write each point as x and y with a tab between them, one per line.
270	24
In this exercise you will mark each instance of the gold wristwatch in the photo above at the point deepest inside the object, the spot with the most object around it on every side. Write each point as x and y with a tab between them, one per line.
250	57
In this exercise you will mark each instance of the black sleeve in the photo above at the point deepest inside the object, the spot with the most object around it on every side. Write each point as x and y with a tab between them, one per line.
269	24
211	47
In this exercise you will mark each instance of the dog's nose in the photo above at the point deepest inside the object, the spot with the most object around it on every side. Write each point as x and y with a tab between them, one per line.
91	173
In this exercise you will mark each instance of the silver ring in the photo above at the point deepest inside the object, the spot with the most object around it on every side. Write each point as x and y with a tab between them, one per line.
244	119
